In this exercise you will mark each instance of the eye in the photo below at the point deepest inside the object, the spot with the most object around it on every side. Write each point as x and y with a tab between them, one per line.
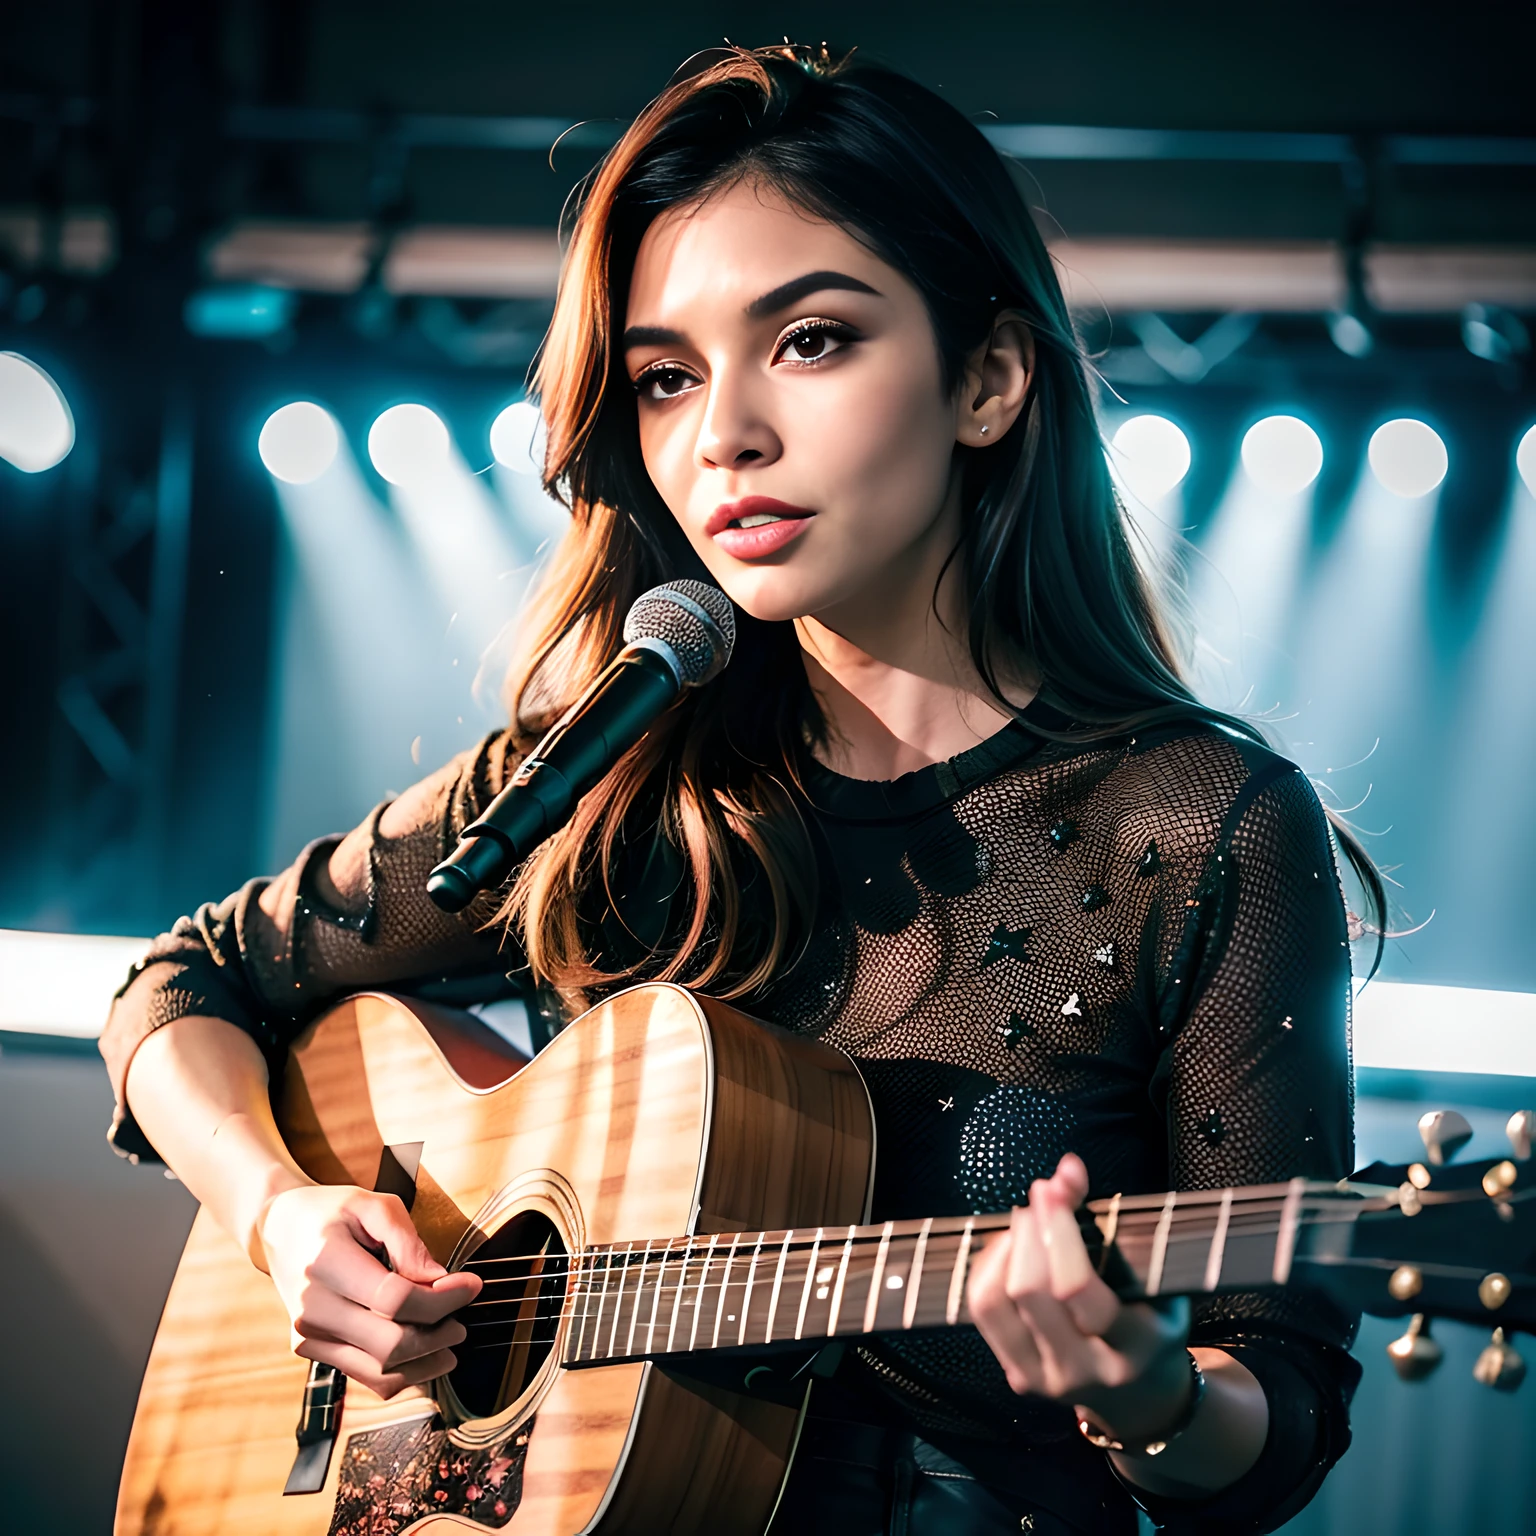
813	341
664	381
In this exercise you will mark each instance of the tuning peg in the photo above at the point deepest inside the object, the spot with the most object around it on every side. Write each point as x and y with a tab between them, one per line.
1521	1131
1499	1366
1445	1133
1415	1355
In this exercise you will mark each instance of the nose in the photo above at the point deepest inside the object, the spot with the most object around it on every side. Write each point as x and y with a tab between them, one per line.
735	432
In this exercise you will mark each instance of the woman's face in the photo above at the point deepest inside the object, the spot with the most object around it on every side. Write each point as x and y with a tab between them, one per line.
792	408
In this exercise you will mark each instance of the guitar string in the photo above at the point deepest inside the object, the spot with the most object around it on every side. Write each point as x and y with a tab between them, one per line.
1129	1221
1134	1224
1455	1272
546	1309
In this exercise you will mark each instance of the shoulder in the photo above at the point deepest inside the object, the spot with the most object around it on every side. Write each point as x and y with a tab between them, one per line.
1189	786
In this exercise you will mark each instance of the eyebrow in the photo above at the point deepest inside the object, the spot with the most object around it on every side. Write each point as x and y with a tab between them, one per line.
800	287
769	303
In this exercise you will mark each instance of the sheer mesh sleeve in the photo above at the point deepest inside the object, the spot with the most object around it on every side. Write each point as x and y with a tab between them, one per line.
270	956
1256	1084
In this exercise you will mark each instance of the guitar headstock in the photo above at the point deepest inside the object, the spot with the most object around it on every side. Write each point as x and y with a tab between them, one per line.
1436	1239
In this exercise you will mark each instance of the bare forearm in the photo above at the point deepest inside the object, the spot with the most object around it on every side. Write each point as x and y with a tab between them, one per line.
1222	1443
198	1089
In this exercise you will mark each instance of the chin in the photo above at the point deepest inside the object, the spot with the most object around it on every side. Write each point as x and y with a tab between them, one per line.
772	594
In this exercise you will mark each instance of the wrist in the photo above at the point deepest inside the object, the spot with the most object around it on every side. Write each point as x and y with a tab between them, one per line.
257	1176
1146	1415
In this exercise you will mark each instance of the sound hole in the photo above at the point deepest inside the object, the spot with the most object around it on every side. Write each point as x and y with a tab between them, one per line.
513	1321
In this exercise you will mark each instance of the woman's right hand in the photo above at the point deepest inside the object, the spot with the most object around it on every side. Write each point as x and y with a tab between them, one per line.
326	1248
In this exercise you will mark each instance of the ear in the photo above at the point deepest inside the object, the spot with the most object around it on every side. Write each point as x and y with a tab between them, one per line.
996	384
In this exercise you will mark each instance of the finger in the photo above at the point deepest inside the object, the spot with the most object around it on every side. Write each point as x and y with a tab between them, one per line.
1028	1268
347	1268
326	1315
997	1318
386	1221
442	1297
1069	1359
1091	1303
363	1368
1071	1179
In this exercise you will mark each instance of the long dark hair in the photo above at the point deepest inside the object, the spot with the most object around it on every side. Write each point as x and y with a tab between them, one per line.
1052	587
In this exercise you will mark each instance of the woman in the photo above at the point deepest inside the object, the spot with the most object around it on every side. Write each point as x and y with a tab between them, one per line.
951	809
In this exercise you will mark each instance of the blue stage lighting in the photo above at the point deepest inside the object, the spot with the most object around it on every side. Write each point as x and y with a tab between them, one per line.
36	427
1525	459
1150	455
1282	455
298	442
517	438
1408	457
240	311
409	445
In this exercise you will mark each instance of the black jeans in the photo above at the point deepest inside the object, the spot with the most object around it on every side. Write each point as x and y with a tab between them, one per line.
852	1479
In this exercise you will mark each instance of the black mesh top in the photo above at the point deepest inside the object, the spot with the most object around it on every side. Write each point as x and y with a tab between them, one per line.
1134	950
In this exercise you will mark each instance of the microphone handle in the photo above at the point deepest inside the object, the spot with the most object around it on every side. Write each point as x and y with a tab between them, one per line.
608	719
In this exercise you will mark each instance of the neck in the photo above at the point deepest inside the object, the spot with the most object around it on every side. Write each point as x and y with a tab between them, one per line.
892	671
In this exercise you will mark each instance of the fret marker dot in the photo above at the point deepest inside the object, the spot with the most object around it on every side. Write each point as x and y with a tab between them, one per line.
822	1292
893	1282
824	1275
731	1318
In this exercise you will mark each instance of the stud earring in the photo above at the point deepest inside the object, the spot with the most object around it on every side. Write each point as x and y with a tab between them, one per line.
985	430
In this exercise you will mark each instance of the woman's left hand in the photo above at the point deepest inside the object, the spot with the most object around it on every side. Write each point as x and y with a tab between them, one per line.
1058	1330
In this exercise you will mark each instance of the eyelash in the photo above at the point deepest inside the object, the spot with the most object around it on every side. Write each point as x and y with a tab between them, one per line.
835	329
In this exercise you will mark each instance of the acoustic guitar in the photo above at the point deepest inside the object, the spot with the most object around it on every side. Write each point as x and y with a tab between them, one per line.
669	1208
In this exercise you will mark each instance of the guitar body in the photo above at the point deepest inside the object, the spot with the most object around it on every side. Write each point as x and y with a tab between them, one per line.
657	1113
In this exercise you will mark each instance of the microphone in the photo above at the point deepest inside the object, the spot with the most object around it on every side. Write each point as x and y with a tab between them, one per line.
677	636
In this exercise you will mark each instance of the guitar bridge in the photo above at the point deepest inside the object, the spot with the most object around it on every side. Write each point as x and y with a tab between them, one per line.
316	1431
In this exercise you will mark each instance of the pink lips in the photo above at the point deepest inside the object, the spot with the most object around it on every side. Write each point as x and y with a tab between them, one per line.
763	538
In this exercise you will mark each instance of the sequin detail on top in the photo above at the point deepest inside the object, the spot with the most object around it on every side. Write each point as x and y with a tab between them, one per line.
1013	1137
1097	992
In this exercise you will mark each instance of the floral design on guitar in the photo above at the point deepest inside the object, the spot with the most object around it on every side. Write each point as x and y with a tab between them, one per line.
392	1477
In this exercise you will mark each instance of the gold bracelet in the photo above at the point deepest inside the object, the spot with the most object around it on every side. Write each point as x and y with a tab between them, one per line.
1159	1443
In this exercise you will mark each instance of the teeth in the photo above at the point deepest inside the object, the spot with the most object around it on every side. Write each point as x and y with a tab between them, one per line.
757	520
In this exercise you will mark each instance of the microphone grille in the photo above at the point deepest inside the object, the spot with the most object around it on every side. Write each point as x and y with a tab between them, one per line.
693	619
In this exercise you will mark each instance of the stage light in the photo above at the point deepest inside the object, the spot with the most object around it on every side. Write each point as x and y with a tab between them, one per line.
1525	460
240	311
298	442
517	438
409	444
1151	456
1351	335
36	427
1407	457
1282	454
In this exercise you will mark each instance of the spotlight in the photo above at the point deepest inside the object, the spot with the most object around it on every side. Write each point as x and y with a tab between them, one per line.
298	442
1351	335
1407	457
1151	456
1282	454
517	438
1525	460
1494	334
409	444
36	427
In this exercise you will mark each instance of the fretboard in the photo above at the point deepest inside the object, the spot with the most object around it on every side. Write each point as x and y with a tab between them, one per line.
644	1300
